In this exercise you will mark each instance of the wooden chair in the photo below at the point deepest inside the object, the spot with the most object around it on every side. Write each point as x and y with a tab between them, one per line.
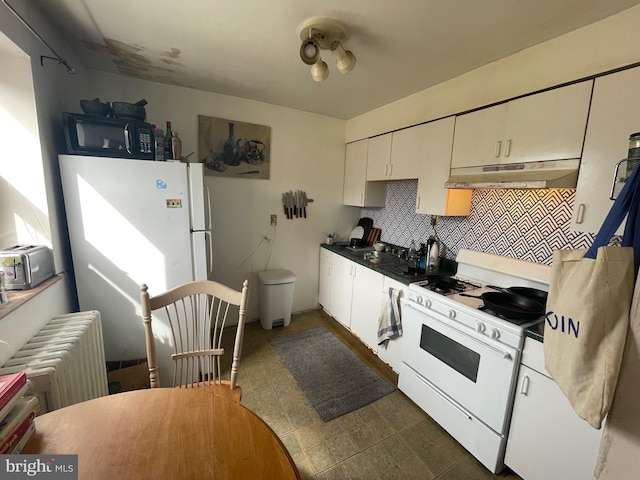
197	313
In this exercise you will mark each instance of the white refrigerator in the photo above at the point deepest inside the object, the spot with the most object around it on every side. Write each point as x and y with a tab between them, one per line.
132	222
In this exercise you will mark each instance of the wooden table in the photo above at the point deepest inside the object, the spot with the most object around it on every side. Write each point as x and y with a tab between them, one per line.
166	433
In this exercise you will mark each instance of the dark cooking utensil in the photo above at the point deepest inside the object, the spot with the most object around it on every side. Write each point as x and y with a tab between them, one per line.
95	107
533	293
511	305
442	281
129	110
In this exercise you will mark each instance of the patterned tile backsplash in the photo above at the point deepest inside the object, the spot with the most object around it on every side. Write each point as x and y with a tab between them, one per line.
524	224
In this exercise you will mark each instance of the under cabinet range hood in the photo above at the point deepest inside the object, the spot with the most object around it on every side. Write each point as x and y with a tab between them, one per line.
544	174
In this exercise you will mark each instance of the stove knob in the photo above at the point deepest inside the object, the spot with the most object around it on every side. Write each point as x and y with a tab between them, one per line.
495	333
480	327
419	300
427	303
452	314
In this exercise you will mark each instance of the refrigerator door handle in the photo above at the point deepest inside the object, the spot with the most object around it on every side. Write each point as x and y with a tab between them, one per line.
207	209
209	252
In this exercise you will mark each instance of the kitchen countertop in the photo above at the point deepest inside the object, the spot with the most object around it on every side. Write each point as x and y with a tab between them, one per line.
390	265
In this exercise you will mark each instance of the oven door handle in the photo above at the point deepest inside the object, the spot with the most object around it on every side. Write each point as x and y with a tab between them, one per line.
502	353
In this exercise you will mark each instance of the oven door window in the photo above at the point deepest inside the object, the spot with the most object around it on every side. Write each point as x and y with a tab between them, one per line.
462	359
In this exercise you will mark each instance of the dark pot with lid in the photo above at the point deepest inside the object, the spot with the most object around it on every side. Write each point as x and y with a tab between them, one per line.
95	107
129	110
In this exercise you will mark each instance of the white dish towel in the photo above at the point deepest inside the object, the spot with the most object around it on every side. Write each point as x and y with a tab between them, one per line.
389	322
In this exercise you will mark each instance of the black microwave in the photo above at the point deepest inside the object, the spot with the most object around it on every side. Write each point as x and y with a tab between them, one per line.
108	137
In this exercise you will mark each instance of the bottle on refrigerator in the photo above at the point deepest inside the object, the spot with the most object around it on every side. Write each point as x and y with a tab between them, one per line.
168	150
176	146
159	144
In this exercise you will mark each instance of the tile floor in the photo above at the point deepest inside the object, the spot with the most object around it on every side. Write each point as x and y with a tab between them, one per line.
388	439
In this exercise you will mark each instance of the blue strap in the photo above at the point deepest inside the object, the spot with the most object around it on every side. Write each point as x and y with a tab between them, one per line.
628	202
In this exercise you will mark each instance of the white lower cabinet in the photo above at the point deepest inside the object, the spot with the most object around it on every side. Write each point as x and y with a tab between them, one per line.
353	294
547	440
391	353
324	280
365	305
342	272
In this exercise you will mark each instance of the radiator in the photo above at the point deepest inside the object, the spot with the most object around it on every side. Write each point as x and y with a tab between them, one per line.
64	361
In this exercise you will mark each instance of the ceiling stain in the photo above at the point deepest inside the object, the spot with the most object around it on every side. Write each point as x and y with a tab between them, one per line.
127	57
168	61
135	61
96	47
173	53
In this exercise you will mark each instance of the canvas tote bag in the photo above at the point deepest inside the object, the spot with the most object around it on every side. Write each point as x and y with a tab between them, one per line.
587	317
618	458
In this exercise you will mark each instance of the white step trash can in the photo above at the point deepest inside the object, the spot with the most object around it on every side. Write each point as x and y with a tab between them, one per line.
276	297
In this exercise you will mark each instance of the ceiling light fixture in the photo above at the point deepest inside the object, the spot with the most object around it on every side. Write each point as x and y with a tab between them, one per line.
324	34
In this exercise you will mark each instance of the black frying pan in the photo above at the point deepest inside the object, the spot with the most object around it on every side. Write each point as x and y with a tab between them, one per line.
511	305
532	293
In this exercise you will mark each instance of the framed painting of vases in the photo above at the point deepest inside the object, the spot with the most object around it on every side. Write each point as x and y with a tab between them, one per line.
230	148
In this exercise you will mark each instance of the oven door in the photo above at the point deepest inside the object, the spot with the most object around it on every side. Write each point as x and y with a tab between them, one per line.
466	366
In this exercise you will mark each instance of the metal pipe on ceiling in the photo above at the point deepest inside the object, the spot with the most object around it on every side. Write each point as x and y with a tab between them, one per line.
58	58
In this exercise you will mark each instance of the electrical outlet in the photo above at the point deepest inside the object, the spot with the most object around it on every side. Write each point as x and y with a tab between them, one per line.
434	220
274	220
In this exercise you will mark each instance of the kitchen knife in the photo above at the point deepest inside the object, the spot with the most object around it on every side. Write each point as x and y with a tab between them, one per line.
304	204
284	204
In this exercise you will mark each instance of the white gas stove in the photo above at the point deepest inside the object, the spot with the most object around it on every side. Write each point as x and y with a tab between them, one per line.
461	363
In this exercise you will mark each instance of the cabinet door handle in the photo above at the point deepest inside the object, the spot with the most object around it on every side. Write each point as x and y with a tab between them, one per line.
498	148
386	170
362	198
507	148
524	389
391	169
580	215
418	202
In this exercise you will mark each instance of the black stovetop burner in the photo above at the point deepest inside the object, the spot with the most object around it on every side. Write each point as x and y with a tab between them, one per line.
445	285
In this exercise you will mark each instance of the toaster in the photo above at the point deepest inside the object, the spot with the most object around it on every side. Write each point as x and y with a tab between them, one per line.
25	266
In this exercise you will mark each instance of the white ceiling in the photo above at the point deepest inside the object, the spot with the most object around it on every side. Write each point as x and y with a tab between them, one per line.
250	48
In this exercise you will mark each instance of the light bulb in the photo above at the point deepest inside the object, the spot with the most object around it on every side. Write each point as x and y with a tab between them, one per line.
309	51
319	71
345	60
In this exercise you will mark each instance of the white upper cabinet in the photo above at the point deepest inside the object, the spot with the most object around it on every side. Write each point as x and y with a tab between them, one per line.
431	150
408	152
379	158
478	137
614	116
545	126
357	191
394	156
